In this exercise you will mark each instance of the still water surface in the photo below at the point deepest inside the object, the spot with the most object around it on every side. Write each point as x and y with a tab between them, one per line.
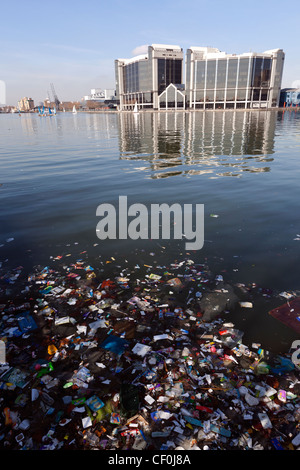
243	166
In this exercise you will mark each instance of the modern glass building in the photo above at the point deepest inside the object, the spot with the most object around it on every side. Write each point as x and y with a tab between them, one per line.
216	80
213	79
153	80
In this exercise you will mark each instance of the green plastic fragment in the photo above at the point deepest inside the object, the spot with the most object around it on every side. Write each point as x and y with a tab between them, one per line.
68	384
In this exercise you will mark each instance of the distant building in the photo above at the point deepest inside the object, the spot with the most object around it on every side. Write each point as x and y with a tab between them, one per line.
151	80
99	95
68	105
216	80
96	95
26	104
289	97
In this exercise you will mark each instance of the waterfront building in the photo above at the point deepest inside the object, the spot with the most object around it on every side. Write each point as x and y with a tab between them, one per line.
100	96
217	80
26	104
151	80
289	97
213	79
96	95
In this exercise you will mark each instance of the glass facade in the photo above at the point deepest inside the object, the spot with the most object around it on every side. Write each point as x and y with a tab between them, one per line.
143	80
134	84
136	77
233	81
168	71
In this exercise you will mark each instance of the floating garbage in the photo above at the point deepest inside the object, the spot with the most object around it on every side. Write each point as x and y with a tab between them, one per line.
246	304
289	314
141	358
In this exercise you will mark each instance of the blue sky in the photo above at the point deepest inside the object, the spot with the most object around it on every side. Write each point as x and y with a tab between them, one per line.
73	44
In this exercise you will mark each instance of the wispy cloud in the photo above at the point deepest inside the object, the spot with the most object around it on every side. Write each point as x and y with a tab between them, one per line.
140	50
67	48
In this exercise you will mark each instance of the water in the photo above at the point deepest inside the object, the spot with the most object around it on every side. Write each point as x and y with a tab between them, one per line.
243	166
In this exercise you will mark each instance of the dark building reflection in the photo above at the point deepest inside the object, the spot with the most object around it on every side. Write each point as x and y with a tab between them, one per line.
219	143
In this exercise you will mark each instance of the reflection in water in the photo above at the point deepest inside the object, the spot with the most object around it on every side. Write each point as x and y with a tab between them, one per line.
29	124
100	128
217	143
94	126
32	124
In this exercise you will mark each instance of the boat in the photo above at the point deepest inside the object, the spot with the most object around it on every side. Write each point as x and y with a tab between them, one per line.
74	110
135	109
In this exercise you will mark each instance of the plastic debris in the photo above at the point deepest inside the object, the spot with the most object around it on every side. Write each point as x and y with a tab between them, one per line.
142	359
289	313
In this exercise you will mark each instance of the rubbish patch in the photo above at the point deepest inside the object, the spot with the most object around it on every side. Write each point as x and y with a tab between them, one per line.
127	356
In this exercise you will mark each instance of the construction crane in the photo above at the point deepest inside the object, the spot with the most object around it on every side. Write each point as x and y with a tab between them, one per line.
56	100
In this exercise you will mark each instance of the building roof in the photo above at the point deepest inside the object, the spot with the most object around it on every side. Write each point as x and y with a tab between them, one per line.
166	46
203	49
212	52
134	59
145	55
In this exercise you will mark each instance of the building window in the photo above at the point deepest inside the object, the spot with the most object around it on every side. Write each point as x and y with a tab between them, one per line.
200	74
266	73
264	95
232	72
210	95
255	94
168	71
257	72
220	95
199	95
221	73
241	95
243	73
230	95
211	74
